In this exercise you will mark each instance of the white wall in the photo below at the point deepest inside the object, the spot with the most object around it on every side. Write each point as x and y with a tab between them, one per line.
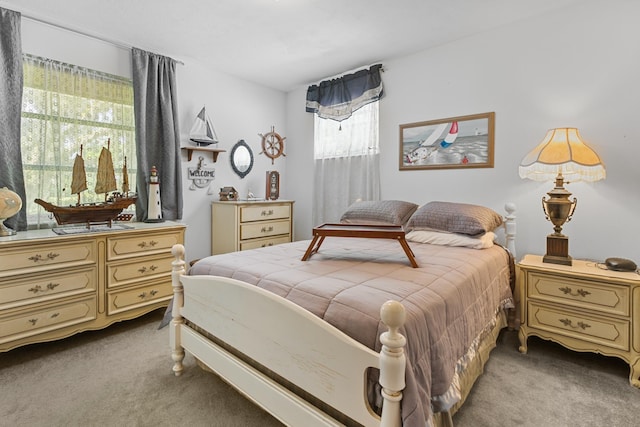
578	67
238	109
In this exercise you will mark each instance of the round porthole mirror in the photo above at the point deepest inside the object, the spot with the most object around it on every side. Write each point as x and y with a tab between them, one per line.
241	158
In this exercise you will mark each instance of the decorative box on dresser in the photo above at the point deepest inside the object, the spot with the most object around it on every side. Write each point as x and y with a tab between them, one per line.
242	225
583	307
53	286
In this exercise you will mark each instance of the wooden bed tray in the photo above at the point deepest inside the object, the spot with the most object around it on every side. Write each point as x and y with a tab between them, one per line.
394	232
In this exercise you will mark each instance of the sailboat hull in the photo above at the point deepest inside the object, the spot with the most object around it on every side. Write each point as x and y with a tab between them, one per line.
90	213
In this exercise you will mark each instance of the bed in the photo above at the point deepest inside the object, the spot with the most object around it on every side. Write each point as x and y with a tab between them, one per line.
354	335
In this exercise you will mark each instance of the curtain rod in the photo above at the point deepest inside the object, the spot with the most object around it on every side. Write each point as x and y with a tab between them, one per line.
85	34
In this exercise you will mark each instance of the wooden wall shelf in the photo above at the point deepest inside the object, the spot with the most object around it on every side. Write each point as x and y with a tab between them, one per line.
213	151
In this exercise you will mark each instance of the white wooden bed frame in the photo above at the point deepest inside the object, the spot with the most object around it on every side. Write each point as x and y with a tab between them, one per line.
291	342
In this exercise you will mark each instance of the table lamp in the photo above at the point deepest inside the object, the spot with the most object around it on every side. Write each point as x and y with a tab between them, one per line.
562	155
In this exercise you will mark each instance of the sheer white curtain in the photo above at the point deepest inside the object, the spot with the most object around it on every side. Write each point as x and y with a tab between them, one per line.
65	107
347	163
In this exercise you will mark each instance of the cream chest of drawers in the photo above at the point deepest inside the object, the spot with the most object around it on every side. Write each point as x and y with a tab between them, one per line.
54	286
583	307
238	225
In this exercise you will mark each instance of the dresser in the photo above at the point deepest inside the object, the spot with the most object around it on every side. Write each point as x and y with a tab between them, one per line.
53	286
242	225
583	307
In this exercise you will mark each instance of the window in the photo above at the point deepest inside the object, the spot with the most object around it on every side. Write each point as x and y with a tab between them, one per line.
66	109
355	136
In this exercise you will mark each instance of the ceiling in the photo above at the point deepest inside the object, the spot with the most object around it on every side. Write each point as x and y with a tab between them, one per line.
282	44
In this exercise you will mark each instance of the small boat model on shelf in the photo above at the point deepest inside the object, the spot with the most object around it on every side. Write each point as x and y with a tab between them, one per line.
95	213
202	131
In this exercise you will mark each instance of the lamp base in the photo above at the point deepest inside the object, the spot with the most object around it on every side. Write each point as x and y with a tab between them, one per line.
557	250
6	231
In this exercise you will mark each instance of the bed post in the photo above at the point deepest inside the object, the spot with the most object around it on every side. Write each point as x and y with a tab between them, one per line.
392	363
177	352
510	228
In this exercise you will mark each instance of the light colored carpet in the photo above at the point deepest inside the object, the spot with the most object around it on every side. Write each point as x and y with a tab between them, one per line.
121	376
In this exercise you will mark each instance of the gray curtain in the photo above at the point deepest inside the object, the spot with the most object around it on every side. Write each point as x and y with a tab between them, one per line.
11	111
157	133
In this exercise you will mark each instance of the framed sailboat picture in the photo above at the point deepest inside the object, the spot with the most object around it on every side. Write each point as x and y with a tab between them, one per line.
453	143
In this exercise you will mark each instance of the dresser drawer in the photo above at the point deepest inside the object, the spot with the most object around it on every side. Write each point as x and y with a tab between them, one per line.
46	287
610	332
47	319
142	244
591	295
264	229
129	299
263	243
139	269
41	257
264	212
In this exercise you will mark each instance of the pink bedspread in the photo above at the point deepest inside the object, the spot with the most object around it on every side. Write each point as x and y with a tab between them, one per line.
450	299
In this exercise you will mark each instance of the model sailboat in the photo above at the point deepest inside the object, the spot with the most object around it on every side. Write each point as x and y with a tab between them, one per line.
94	213
202	131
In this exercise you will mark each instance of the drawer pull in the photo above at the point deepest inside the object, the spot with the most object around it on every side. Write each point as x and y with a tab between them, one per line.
37	258
143	245
151	294
267	213
580	292
267	229
267	244
581	325
37	288
54	315
143	270
33	321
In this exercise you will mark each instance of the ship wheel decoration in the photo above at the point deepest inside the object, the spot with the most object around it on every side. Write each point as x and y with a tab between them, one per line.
272	144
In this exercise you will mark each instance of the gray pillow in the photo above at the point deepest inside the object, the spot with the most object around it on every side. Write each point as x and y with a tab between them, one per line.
381	212
454	218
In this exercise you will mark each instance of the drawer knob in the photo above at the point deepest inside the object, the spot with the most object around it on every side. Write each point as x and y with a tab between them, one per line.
267	213
267	229
153	292
579	325
33	321
580	292
142	295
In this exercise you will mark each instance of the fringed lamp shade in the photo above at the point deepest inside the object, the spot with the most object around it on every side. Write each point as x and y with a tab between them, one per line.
561	155
562	151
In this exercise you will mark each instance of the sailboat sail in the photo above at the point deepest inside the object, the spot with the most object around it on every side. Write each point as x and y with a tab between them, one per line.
79	177
451	136
202	131
125	177
106	177
434	135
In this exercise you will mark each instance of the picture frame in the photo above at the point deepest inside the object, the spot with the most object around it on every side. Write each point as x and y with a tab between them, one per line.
272	191
461	142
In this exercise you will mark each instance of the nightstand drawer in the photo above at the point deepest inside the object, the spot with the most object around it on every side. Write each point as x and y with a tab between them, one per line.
592	295
264	229
605	331
264	212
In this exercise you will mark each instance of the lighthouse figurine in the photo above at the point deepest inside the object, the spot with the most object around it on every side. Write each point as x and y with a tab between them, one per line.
154	208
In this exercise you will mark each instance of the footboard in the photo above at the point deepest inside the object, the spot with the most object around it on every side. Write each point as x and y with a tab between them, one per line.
288	340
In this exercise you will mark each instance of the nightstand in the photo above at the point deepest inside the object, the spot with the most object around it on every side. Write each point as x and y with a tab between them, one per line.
582	307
